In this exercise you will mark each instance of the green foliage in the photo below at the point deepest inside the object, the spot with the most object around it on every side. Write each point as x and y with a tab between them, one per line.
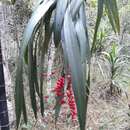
69	28
112	58
112	13
117	63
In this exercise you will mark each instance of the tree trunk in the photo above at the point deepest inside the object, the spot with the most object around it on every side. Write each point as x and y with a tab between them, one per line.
4	120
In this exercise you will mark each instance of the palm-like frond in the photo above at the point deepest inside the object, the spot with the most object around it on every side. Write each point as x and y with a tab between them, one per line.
69	29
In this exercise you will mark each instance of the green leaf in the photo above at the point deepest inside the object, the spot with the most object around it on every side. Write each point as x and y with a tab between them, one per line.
84	30
110	15
114	10
48	28
18	91
99	16
58	21
24	109
113	50
113	15
44	48
31	79
41	64
34	20
26	55
82	15
83	45
31	29
73	54
75	6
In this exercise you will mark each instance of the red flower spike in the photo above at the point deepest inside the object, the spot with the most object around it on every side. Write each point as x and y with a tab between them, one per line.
71	100
59	89
69	93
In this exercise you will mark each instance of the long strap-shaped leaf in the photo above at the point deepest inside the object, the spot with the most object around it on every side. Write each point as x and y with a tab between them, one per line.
58	21
83	45
73	54
99	16
82	17
110	14
31	72
36	16
113	15
116	15
75	6
111	6
44	48
18	94
20	102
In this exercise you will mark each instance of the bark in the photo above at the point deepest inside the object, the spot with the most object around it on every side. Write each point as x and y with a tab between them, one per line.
4	120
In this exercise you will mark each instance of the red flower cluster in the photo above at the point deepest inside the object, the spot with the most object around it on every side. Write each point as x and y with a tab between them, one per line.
59	89
71	100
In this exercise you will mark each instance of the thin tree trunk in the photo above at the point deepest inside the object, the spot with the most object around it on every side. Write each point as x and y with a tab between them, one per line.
4	120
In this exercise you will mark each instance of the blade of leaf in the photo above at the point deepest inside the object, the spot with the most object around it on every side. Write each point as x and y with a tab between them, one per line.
41	64
82	17
37	15
75	6
31	78
44	46
114	10
99	16
35	77
58	21
24	109
84	46
18	89
34	20
74	59
110	14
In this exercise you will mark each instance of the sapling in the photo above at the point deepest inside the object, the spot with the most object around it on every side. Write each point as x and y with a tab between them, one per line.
115	62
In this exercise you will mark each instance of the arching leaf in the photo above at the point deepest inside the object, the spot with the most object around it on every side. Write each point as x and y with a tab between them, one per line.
34	20
75	6
113	15
99	16
73	54
58	20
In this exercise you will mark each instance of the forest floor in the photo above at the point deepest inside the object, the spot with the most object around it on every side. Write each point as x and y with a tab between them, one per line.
105	112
